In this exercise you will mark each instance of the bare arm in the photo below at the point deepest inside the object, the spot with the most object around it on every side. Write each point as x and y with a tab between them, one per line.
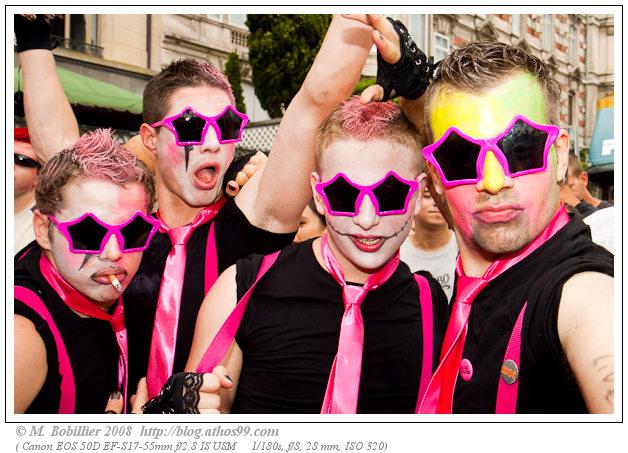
585	327
218	304
274	199
30	364
52	125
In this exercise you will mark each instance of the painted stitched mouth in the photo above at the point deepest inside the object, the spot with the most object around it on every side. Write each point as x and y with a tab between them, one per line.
370	243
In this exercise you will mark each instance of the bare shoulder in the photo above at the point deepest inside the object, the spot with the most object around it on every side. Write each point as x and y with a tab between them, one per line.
30	362
27	336
586	292
585	298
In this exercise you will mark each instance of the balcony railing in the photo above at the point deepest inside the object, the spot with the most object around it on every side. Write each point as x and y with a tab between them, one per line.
78	46
239	38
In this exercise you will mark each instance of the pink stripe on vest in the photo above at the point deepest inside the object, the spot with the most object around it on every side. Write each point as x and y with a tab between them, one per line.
425	299
507	393
68	391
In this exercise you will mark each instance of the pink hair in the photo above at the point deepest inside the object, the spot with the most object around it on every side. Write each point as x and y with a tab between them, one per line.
100	156
366	121
95	155
353	119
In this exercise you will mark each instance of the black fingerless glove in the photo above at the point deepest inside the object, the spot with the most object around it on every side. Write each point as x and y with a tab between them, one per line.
411	75
33	34
180	395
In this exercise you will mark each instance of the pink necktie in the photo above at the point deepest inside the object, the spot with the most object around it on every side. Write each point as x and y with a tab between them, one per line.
78	302
341	395
164	339
439	395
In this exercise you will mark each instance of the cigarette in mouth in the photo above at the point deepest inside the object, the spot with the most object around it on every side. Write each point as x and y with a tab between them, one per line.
115	282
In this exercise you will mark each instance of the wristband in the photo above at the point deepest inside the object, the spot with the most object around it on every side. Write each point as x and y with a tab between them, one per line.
33	34
411	75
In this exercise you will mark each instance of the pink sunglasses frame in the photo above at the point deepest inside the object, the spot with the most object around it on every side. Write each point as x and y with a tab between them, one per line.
111	229
209	120
367	190
487	144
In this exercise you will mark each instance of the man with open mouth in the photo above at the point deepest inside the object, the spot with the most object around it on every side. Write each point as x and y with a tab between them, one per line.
92	222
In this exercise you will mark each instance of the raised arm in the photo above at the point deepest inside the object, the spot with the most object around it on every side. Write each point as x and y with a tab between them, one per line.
51	123
274	199
585	327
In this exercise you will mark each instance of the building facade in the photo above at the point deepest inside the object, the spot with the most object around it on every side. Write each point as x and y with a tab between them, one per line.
125	50
578	48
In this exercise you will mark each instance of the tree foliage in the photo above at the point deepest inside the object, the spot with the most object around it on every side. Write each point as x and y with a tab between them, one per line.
233	71
282	48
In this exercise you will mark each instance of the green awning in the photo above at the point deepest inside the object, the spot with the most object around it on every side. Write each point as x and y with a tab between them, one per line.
89	92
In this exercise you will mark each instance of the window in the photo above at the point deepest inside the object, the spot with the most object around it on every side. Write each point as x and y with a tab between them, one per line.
416	27
516	24
571	100
77	27
441	46
548	32
573	45
78	32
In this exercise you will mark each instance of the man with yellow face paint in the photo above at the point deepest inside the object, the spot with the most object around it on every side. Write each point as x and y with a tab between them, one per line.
531	326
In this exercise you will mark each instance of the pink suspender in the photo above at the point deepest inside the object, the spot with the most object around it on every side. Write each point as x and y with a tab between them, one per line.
509	376
425	299
68	392
223	339
211	259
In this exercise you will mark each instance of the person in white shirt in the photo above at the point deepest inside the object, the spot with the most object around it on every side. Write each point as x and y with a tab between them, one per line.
602	224
432	247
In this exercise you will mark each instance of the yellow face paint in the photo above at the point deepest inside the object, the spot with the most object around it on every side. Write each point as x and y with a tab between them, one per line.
487	114
492	173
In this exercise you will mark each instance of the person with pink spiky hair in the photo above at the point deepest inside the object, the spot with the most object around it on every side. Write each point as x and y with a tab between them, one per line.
91	224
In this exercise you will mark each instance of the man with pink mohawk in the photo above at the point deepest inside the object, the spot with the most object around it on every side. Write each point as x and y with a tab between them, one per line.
91	225
290	345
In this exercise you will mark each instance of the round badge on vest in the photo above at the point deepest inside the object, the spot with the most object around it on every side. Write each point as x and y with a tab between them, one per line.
466	369
510	371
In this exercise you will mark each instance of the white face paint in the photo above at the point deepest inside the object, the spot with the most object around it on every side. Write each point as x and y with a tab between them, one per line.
367	241
89	273
199	183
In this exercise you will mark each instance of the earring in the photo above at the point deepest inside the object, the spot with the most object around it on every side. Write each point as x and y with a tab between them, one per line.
563	181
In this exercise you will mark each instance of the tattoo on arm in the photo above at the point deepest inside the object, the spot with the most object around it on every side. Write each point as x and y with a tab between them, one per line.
604	365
